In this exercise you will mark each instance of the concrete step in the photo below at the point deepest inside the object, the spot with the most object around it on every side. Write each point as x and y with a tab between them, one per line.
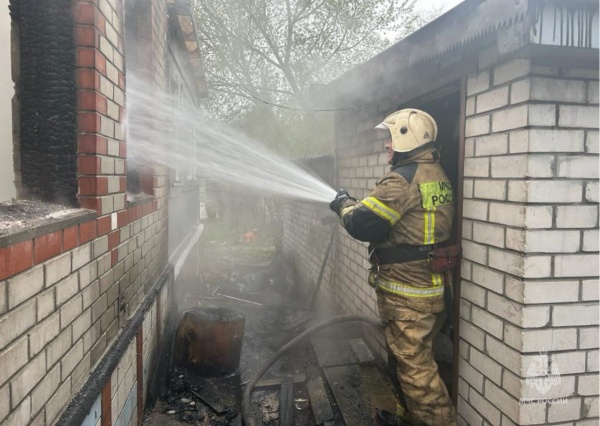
361	351
332	352
360	390
378	388
319	401
345	382
358	385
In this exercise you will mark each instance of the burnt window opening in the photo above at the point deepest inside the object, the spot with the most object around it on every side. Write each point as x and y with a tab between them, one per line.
133	178
45	100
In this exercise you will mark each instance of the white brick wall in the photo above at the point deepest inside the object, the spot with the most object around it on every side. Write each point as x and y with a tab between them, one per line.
577	167
489	145
547	241
549	191
491	189
122	382
584	265
490	234
474	209
510	118
54	319
591	192
578	116
591	142
25	285
540	140
57	268
486	365
478	83
549	339
520	91
563	315
519	166
24	381
479	125
510	70
477	167
12	359
488	278
577	216
552	89
45	389
530	244
492	99
518	215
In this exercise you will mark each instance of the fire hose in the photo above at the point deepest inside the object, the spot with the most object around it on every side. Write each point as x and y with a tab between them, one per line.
248	420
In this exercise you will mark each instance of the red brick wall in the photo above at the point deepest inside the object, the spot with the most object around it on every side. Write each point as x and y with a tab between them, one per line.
100	104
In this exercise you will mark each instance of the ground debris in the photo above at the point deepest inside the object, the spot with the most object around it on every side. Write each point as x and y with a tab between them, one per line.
252	271
184	400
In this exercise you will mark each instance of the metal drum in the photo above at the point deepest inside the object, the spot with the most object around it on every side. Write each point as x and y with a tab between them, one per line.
209	341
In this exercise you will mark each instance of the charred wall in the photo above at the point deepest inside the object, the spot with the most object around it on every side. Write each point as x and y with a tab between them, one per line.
46	90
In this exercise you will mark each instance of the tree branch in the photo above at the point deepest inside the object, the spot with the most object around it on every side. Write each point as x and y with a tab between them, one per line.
290	28
261	88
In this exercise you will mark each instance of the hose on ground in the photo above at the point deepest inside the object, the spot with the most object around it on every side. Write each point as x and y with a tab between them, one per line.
248	420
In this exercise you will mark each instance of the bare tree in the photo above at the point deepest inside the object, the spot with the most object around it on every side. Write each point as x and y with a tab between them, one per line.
423	17
270	51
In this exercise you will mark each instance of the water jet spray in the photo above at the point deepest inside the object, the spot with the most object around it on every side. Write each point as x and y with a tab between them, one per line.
160	131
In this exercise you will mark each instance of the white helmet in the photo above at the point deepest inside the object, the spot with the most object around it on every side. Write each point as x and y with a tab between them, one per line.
410	128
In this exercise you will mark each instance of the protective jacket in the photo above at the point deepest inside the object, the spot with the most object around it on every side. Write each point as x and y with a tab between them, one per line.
410	209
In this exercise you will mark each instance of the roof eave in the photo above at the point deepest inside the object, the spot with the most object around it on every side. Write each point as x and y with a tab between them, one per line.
434	40
186	21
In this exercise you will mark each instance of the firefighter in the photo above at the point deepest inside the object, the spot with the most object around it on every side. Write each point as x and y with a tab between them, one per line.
407	216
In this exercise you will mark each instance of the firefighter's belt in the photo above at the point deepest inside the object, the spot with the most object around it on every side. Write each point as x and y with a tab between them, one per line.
401	254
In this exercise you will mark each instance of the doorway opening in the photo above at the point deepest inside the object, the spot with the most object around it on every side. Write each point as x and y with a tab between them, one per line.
446	105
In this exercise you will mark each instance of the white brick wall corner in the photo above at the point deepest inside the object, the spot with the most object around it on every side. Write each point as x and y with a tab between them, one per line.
530	243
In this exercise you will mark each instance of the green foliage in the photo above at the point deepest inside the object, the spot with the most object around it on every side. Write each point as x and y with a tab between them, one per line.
261	53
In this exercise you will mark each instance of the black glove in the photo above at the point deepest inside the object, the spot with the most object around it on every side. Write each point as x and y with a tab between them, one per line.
336	204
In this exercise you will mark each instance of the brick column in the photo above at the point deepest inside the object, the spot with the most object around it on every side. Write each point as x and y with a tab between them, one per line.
529	297
100	106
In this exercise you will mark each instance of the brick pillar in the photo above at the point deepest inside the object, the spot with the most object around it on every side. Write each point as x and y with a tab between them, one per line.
100	107
529	296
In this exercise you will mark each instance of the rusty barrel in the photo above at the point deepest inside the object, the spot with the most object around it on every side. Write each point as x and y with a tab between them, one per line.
209	341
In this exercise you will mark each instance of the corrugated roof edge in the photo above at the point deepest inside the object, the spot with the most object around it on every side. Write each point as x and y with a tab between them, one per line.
437	38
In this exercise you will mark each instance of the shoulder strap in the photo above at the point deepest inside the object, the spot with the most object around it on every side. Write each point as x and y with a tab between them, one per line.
407	171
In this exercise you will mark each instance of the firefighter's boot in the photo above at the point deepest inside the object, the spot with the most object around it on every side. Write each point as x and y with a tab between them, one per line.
385	418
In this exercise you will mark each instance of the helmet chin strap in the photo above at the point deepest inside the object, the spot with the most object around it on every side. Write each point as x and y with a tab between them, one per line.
401	156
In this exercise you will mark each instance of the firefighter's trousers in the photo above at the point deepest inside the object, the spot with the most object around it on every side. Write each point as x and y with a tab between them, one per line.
409	335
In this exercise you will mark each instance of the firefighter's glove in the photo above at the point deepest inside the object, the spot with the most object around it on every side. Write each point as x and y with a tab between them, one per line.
336	204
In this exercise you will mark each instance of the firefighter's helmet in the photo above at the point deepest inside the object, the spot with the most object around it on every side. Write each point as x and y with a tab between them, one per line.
409	128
